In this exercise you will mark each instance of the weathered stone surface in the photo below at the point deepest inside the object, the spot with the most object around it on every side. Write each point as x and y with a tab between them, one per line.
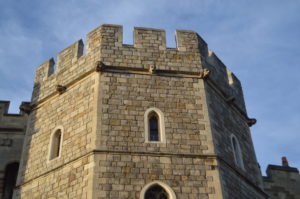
105	152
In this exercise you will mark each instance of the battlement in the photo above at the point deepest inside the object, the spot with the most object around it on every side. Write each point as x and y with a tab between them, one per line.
149	50
4	107
225	79
11	120
144	38
107	38
64	60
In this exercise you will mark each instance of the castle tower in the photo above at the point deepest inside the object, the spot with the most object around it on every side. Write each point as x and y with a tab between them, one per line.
138	121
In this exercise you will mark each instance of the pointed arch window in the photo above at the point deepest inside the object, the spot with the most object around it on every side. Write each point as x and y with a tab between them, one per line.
154	126
56	144
157	190
237	153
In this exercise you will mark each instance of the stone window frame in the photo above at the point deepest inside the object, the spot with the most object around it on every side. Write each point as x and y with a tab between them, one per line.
161	125
51	144
237	152
166	187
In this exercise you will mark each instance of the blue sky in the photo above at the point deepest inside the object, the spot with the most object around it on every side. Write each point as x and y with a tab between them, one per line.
258	40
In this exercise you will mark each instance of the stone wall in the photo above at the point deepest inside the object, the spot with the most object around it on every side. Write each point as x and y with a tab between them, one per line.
12	131
72	112
228	118
70	180
125	99
225	121
235	186
128	87
124	175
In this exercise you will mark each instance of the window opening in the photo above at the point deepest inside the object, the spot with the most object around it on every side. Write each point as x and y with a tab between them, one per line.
153	124
10	178
156	192
56	142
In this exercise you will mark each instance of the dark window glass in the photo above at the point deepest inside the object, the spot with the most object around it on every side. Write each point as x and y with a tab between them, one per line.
153	123
10	178
234	145
156	192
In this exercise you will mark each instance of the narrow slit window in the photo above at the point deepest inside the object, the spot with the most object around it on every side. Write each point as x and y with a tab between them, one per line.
56	144
154	127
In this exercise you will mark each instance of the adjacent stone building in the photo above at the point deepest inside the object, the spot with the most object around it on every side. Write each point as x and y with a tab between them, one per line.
12	131
282	182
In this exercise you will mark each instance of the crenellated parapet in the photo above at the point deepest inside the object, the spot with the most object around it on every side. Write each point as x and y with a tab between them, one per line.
70	65
148	53
44	70
4	107
228	83
10	121
105	44
149	48
65	60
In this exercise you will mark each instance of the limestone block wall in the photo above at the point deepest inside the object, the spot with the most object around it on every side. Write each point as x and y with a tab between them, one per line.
127	88
178	162
225	121
126	98
229	84
149	49
124	175
70	180
73	112
12	131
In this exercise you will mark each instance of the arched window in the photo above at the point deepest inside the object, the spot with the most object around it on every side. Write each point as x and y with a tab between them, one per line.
237	153
10	178
55	144
157	190
154	126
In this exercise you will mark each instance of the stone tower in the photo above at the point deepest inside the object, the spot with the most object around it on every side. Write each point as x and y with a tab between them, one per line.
138	121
